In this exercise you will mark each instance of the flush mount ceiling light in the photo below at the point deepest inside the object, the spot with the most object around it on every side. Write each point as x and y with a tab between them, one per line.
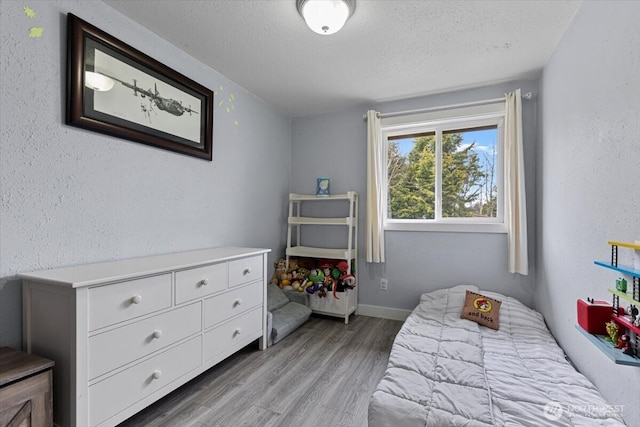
326	16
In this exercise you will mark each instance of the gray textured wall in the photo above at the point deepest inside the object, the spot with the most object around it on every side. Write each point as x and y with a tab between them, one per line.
335	145
588	179
71	196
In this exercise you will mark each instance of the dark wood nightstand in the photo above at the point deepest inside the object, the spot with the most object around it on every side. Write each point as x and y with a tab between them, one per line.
25	389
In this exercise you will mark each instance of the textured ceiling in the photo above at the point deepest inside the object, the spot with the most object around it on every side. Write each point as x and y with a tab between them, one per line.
387	50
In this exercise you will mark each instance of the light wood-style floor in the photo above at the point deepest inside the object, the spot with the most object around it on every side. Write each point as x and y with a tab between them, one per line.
319	376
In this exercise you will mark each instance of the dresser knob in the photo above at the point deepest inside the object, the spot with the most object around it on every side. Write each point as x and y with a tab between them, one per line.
204	282
136	299
246	271
237	302
156	374
157	333
236	332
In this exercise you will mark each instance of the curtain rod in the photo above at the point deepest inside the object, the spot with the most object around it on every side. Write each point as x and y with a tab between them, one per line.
527	95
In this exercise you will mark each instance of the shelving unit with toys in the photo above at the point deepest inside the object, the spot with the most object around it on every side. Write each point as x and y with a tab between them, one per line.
628	322
347	302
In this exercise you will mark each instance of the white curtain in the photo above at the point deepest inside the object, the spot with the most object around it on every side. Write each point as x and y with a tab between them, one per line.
516	205
374	233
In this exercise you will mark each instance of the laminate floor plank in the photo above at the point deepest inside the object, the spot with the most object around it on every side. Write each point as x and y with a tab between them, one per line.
319	376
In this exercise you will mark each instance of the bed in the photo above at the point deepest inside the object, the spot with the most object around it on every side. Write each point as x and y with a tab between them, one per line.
447	371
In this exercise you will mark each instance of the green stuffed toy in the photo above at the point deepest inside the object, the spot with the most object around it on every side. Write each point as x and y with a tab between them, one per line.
316	278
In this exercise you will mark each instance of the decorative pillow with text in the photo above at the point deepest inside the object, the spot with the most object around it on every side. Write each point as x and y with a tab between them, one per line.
482	310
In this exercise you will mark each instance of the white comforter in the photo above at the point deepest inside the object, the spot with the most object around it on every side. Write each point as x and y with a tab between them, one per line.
448	371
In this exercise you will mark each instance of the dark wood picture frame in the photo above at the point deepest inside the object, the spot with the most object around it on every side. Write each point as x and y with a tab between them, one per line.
147	101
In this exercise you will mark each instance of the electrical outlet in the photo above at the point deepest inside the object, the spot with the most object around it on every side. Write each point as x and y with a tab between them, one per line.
383	284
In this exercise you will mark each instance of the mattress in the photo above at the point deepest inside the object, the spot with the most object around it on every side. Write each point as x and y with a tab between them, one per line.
448	371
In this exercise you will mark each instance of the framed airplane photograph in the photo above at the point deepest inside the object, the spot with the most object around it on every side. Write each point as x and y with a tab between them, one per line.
115	89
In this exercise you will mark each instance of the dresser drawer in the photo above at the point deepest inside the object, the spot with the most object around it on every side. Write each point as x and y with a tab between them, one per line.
118	347
245	270
122	301
233	332
229	304
200	281
120	391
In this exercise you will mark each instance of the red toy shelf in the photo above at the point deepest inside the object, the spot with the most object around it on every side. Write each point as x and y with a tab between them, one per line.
624	321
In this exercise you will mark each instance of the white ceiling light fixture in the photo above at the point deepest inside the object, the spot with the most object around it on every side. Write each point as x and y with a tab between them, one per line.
325	16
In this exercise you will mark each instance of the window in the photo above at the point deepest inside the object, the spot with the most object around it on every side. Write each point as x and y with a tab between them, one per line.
444	170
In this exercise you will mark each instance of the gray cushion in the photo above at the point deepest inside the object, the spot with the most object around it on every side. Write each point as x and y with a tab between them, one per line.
275	297
287	318
297	296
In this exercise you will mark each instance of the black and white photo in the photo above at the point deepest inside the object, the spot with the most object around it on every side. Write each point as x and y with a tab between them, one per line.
117	90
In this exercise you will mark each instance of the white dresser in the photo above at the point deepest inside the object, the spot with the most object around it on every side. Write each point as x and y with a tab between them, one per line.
125	333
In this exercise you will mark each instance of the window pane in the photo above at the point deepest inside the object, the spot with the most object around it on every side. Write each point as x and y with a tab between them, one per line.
411	170
469	173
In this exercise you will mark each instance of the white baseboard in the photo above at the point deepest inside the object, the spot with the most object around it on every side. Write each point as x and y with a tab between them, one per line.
383	312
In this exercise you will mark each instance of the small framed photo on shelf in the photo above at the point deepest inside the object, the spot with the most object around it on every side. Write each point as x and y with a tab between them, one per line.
322	187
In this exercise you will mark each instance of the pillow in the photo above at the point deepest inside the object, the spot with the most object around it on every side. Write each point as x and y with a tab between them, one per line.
482	310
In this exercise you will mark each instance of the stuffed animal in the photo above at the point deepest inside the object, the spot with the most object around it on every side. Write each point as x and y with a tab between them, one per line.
280	267
299	278
328	282
322	292
347	281
342	266
285	280
293	265
316	277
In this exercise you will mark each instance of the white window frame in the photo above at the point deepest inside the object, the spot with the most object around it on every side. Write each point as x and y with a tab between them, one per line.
439	121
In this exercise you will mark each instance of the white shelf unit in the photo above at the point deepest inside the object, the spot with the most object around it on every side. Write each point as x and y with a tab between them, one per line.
347	305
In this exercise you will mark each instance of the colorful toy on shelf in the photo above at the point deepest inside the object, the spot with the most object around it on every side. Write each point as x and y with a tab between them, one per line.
319	276
613	330
621	284
593	314
327	270
330	283
299	278
346	280
624	343
316	277
322	292
280	268
293	264
343	267
285	280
